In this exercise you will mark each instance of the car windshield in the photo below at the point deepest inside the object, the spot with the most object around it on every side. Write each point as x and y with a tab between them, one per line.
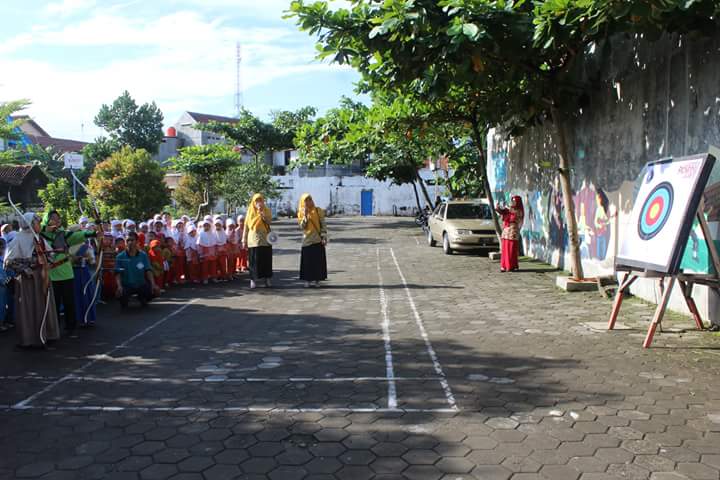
468	211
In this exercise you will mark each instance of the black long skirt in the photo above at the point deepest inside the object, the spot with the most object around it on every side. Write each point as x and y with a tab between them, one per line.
313	263
260	262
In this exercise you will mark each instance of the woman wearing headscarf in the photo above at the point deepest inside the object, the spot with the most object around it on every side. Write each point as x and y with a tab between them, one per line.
255	237
36	319
61	271
313	262
512	218
83	257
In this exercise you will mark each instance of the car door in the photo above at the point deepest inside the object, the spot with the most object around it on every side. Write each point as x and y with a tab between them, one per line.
438	218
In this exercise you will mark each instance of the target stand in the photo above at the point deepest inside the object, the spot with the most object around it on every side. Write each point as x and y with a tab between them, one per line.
669	200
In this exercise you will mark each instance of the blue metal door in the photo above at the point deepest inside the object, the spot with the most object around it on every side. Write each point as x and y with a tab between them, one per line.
366	202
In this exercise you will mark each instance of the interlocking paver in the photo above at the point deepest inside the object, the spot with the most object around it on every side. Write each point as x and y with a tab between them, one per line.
541	395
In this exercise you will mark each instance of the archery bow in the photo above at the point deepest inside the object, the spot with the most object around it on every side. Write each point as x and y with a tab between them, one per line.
96	274
38	241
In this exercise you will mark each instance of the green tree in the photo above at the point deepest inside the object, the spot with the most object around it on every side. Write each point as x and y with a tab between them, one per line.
248	132
130	184
389	139
138	127
190	193
431	47
207	164
58	196
287	123
99	151
328	139
242	181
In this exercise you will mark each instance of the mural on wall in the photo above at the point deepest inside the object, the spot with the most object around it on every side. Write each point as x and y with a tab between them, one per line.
594	222
497	171
545	232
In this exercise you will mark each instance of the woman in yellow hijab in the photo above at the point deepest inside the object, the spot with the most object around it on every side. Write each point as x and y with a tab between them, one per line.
313	261
255	238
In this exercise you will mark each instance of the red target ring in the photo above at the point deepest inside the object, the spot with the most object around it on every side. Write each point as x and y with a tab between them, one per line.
655	211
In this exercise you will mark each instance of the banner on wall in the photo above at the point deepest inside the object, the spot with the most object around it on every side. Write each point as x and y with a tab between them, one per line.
663	213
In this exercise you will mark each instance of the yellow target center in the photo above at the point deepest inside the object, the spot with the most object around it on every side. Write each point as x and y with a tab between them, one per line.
654	211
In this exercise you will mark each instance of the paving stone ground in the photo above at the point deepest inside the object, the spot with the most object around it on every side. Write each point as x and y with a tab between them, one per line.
407	364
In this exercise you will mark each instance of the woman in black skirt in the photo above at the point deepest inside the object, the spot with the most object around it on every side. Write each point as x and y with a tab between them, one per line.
313	262
255	238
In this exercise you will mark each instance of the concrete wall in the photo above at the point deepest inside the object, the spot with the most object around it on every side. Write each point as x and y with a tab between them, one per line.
651	101
341	195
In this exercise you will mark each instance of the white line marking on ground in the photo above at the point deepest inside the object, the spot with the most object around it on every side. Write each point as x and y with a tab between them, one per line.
389	370
211	379
431	351
26	403
98	408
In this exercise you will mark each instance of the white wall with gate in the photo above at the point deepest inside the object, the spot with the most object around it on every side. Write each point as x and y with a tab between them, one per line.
342	195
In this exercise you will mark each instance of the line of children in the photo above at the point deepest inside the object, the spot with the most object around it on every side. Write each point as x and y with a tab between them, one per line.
179	253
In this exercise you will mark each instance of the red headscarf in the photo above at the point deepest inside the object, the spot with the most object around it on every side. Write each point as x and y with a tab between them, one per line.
517	200
155	256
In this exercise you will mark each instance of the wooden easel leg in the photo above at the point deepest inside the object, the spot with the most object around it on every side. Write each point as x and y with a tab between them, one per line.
627	280
659	312
687	288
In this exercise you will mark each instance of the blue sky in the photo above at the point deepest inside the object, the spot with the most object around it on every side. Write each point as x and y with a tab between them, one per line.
71	56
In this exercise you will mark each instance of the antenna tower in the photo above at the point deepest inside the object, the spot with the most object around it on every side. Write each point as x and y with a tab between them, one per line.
238	82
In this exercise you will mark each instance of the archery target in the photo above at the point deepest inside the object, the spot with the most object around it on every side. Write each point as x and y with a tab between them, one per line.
655	233
655	211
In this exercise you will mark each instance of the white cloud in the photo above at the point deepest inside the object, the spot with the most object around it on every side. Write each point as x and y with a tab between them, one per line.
188	61
68	7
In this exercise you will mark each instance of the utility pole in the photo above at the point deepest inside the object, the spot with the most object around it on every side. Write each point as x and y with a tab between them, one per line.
238	82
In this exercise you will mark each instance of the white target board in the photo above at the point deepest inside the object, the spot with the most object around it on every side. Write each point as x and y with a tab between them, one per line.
663	212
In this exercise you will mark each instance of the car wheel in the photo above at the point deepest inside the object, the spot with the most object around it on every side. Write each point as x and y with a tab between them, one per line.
430	240
446	244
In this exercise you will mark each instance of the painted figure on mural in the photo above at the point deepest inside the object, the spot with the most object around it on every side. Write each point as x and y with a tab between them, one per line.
558	233
584	233
601	223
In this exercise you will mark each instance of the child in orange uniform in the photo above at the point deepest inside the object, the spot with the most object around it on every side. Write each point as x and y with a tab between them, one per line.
206	248
191	254
156	263
180	238
221	250
108	267
233	239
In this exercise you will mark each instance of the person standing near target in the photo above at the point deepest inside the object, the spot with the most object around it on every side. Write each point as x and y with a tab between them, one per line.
512	217
255	238
313	261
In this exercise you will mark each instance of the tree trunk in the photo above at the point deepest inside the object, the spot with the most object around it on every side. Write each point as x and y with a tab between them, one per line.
206	202
564	175
478	139
417	197
424	190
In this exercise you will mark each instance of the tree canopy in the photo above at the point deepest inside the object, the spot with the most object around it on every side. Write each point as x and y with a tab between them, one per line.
129	184
207	164
132	125
257	136
519	59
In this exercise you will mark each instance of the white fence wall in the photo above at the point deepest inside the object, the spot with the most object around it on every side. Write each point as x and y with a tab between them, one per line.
341	195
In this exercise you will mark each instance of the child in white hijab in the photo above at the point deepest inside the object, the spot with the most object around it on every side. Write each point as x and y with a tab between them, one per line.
206	242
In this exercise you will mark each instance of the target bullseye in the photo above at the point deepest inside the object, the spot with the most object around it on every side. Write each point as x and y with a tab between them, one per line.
655	211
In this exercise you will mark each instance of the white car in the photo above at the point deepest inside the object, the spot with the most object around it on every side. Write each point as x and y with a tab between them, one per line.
462	225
